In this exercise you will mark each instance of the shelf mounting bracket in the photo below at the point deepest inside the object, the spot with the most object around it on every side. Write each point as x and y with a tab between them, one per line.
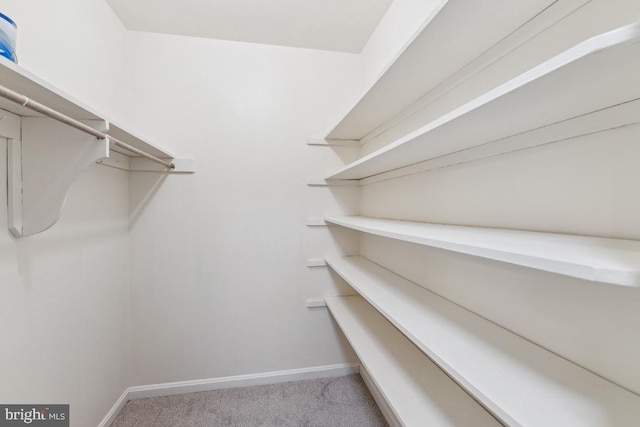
43	166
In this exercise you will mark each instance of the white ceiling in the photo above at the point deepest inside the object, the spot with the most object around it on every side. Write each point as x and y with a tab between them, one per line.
338	25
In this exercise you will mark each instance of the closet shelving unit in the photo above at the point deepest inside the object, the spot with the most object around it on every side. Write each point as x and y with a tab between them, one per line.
590	88
519	382
599	91
51	138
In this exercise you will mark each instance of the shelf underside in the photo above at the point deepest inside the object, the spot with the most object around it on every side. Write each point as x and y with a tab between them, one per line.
462	30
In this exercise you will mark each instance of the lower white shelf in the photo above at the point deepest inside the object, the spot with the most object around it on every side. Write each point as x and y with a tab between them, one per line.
613	261
521	383
417	391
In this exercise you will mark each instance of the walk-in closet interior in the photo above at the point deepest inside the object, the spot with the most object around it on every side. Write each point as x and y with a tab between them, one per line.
436	195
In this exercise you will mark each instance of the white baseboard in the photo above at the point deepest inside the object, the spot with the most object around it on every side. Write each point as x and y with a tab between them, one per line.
183	387
209	384
115	410
386	410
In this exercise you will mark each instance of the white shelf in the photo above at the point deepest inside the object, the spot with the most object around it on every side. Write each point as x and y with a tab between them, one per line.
417	391
521	383
19	80
613	261
597	74
46	154
457	32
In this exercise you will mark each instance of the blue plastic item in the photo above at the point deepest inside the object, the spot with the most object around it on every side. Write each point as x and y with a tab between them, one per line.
8	32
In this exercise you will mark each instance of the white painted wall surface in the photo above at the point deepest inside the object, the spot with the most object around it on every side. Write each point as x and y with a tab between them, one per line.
219	275
581	186
64	305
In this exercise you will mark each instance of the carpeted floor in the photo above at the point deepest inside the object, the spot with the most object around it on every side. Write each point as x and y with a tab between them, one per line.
328	402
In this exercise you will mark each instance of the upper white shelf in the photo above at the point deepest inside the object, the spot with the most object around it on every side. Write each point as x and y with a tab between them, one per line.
455	34
20	80
597	74
520	382
25	83
416	390
51	138
597	259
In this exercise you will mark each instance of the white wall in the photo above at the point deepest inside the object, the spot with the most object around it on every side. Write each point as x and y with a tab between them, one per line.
582	186
64	304
219	280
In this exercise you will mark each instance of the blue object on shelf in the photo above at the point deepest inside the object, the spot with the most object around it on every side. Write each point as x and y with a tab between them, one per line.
8	33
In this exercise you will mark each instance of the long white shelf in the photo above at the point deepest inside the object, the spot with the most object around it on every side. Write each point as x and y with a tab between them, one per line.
22	81
593	76
25	83
417	391
521	383
456	32
613	261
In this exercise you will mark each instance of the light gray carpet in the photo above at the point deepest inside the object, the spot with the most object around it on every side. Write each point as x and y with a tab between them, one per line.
335	402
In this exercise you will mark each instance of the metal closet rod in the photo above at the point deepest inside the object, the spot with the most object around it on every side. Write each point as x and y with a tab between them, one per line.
56	115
